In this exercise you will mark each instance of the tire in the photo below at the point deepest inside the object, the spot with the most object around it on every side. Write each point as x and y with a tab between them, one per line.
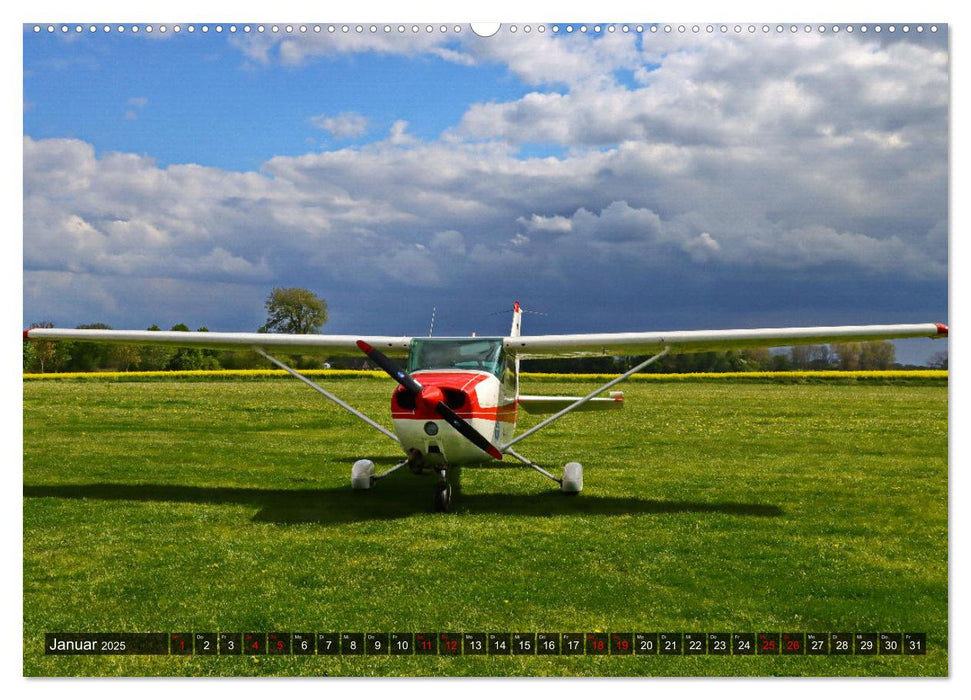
443	497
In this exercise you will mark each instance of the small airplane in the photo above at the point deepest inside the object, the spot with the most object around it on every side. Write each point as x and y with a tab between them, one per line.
457	399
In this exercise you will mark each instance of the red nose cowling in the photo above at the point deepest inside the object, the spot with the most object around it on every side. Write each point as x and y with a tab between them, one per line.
430	397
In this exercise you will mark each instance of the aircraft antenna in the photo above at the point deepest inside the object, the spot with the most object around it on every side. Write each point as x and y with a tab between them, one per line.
431	326
505	312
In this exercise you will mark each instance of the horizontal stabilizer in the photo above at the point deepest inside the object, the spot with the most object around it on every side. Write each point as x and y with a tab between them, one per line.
552	404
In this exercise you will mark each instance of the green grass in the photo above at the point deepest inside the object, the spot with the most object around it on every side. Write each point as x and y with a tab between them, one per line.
225	506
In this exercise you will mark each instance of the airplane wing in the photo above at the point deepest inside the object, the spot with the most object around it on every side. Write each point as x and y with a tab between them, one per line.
613	344
575	345
327	345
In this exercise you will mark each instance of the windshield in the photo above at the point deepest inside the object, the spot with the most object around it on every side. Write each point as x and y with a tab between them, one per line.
469	353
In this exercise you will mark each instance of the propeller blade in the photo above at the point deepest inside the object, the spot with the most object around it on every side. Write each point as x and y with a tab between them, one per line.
385	363
467	431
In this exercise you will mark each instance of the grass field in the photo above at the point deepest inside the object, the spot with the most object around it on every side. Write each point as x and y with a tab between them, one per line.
170	506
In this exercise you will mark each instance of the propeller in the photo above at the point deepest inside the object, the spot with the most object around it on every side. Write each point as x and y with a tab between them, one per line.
430	396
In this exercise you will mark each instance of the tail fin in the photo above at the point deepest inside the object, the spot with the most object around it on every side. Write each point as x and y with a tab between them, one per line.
514	332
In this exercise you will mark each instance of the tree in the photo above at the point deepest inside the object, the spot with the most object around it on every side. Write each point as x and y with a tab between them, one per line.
849	355
781	362
801	356
124	357
154	357
294	310
87	356
877	354
819	356
210	357
758	359
938	360
30	356
813	357
48	355
191	358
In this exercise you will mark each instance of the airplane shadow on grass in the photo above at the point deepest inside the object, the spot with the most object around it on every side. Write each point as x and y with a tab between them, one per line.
402	496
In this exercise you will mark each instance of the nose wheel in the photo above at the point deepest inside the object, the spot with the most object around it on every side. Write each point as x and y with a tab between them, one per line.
443	493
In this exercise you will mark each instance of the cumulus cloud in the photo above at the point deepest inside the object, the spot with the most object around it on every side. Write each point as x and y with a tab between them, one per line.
555	223
346	125
702	248
536	59
295	49
726	90
398	135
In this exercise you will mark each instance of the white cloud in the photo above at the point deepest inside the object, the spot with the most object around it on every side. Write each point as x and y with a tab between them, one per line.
345	125
545	59
295	49
702	248
536	59
136	104
397	135
725	91
537	222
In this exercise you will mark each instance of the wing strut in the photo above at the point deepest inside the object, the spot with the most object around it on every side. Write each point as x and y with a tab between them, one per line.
346	407
533	465
580	402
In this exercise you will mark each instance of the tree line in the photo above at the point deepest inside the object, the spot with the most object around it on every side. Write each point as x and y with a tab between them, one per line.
289	310
870	355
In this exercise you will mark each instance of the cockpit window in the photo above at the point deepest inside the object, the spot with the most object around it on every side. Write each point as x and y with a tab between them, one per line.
439	353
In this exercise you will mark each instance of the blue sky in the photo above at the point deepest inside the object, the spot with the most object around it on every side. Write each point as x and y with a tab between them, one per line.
612	181
193	98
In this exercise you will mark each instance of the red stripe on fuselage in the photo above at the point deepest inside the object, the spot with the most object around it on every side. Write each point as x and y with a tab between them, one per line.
465	382
427	415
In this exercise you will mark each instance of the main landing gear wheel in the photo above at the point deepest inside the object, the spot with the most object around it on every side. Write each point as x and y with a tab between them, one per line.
362	474
572	482
443	496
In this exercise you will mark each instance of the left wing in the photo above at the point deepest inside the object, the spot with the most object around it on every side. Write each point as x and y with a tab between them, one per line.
328	345
613	344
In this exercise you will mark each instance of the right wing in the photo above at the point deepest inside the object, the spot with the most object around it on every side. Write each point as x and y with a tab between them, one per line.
293	344
613	344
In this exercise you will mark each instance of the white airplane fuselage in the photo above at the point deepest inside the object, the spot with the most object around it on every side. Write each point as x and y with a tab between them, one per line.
477	396
476	379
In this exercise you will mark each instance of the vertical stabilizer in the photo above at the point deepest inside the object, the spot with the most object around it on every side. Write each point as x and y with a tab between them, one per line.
514	332
517	320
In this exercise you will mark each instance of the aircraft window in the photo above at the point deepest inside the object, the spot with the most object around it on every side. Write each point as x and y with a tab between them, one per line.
480	353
